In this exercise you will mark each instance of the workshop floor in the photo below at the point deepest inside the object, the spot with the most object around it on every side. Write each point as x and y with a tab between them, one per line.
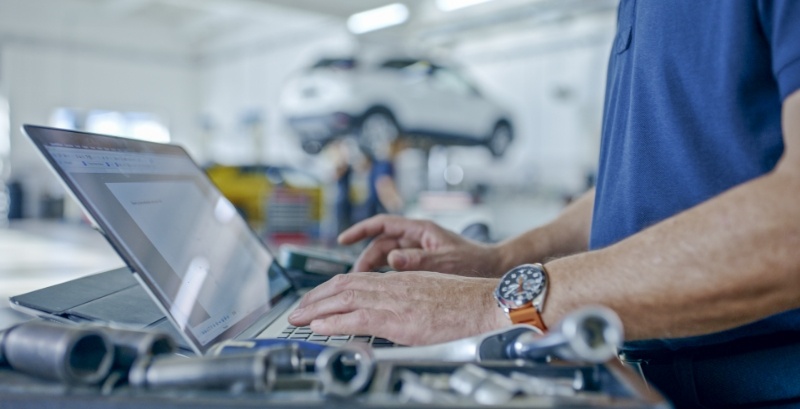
37	254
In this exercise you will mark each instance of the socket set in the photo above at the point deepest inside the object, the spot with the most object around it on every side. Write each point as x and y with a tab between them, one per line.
573	365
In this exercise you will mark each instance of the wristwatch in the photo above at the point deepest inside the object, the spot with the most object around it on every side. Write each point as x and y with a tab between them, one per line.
521	293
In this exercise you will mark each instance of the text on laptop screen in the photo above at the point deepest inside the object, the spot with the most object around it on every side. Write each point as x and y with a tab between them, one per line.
204	262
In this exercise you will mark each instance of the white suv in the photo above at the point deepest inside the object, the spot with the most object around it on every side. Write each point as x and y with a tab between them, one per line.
378	101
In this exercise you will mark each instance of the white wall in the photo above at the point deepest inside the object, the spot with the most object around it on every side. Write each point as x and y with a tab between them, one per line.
59	55
554	80
235	84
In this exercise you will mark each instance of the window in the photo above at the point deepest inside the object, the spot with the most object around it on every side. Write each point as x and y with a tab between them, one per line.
139	125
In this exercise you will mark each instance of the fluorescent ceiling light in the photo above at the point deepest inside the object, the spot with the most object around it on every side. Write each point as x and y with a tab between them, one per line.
450	5
378	18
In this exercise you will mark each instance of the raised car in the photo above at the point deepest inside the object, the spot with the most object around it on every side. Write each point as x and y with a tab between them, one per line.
377	101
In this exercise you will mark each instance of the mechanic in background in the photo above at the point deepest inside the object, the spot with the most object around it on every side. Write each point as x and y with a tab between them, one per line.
383	197
365	180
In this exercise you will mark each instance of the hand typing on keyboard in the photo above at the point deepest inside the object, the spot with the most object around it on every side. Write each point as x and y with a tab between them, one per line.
408	308
406	244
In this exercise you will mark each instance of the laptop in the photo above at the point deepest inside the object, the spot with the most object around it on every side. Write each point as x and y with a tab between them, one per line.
185	245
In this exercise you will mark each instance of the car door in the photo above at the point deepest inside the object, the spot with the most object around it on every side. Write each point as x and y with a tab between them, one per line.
460	110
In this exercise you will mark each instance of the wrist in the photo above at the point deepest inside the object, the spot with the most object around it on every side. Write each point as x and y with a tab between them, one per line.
500	318
531	247
495	316
504	257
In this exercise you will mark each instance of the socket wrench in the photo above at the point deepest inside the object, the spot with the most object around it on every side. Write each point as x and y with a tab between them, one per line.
130	345
590	334
73	355
234	372
346	370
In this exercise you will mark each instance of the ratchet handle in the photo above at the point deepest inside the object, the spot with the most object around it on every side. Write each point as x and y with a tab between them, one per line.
495	347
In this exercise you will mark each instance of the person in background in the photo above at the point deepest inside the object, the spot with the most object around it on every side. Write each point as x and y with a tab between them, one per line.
343	174
383	197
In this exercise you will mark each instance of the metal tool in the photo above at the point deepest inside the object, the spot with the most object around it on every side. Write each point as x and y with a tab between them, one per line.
345	370
414	389
590	334
483	386
548	386
74	355
130	345
491	345
234	372
287	359
306	349
3	361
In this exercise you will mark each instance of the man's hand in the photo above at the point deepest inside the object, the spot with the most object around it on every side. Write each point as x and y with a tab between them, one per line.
410	308
406	244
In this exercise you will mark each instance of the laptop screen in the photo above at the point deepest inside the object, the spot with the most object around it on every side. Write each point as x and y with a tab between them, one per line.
207	268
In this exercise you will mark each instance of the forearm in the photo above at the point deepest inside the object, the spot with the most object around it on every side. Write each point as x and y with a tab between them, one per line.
388	195
567	234
731	260
724	263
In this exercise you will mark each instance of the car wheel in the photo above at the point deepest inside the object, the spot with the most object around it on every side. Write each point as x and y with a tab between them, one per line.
378	130
500	139
311	147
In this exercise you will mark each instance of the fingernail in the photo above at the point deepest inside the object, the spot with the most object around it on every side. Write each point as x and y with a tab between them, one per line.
400	261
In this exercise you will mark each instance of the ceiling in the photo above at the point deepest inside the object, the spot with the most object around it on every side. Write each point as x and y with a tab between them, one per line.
201	21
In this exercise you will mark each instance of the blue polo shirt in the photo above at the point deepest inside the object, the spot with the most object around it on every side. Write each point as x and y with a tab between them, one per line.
692	108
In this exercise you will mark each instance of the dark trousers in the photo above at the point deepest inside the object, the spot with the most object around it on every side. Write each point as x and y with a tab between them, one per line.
759	372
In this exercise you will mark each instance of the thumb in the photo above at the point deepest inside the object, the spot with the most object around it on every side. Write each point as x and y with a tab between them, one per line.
411	259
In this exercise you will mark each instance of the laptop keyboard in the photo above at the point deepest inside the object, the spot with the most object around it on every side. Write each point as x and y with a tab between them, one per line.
305	334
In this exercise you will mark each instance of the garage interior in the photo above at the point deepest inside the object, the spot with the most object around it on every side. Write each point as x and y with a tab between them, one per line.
210	75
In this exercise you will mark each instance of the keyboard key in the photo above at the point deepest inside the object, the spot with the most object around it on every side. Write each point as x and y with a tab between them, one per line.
303	331
283	336
381	341
340	337
318	338
300	336
362	338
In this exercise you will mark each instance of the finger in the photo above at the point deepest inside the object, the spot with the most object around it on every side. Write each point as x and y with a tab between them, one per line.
362	230
341	303
374	255
337	284
394	226
411	259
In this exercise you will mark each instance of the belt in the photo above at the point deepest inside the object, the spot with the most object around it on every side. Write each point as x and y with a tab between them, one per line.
757	372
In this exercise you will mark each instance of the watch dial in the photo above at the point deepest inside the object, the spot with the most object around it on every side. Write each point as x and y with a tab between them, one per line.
520	286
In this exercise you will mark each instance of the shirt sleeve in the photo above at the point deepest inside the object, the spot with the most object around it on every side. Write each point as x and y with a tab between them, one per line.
781	22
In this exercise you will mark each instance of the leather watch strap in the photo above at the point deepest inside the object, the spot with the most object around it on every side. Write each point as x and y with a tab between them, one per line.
527	315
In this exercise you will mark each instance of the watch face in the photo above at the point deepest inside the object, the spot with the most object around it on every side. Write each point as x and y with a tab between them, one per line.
520	286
